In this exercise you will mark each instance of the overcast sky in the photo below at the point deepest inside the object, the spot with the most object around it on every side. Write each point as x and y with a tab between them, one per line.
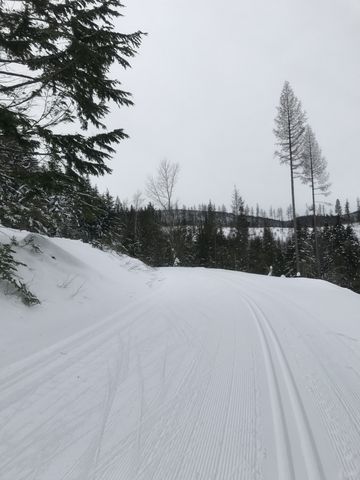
206	84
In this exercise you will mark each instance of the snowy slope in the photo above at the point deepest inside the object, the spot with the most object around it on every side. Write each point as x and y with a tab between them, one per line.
76	284
177	374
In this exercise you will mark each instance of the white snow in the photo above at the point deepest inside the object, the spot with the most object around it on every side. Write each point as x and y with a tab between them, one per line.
127	373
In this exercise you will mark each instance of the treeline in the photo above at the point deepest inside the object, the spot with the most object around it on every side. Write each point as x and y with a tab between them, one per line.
237	247
81	212
194	216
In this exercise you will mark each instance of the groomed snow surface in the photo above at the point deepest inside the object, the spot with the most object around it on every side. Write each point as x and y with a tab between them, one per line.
130	373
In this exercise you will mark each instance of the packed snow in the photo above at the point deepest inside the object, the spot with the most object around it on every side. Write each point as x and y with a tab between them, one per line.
124	372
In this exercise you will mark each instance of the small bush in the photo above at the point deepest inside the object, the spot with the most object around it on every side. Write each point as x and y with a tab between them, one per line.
8	274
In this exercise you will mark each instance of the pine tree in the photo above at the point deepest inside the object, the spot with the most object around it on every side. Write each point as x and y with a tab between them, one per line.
255	251
309	265
8	274
352	259
338	208
205	244
57	56
289	131
341	254
239	234
153	247
269	248
347	211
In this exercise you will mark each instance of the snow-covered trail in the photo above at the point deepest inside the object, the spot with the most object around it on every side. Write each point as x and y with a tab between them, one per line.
212	375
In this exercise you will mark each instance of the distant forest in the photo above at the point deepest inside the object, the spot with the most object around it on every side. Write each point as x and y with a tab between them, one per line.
188	237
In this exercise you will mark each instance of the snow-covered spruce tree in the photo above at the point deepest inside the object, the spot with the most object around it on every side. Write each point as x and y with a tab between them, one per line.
341	255
289	131
314	174
8	275
205	243
239	233
338	208
55	58
347	212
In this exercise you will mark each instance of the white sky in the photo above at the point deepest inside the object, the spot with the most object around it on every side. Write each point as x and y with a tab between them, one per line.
206	84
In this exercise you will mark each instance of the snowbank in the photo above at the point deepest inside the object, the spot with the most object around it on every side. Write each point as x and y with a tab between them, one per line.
76	284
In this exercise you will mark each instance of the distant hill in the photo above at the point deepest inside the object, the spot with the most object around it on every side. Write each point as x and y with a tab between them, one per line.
226	219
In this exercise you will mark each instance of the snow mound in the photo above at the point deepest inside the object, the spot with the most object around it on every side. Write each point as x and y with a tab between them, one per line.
76	284
38	244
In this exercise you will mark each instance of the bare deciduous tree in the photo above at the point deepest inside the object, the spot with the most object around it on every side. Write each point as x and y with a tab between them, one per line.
289	131
137	200
160	189
315	175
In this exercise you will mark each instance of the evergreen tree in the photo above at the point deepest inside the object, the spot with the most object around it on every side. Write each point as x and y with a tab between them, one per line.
351	260
9	275
255	260
309	265
57	56
347	211
239	234
341	256
153	245
338	208
205	245
269	249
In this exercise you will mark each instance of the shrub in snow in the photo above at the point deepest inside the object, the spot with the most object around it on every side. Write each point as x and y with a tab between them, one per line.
8	275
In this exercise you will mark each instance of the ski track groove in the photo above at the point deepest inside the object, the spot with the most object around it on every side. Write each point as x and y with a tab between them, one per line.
341	444
271	342
283	450
311	455
342	438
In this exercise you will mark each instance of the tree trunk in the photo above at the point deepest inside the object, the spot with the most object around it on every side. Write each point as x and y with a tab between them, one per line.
314	217
297	257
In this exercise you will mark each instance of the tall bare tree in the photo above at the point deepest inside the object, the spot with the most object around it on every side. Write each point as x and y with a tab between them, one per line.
289	131
314	173
160	189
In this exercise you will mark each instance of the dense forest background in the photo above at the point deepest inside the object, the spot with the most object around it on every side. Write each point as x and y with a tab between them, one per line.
203	236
